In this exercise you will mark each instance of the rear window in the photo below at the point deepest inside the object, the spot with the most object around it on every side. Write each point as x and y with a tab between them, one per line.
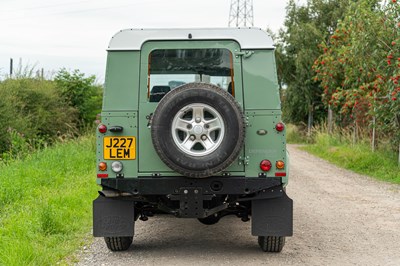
171	68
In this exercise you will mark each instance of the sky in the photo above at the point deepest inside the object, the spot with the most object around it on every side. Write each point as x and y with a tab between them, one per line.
52	34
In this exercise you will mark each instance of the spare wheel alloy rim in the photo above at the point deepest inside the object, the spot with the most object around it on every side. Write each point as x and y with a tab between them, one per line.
198	129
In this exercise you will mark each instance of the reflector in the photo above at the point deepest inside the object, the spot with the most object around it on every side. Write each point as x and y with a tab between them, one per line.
280	174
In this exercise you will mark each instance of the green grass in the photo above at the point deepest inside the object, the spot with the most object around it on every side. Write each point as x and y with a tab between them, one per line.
295	135
358	158
45	203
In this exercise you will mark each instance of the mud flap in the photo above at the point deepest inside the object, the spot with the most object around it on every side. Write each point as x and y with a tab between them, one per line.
272	217
113	217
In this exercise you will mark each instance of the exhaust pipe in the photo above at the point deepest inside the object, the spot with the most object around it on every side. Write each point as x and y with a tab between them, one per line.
113	194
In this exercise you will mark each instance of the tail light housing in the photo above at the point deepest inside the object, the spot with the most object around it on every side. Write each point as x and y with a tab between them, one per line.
265	165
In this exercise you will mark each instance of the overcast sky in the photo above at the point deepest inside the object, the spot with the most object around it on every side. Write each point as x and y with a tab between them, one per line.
74	34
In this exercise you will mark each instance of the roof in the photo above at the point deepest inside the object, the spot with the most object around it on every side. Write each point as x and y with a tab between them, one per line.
248	38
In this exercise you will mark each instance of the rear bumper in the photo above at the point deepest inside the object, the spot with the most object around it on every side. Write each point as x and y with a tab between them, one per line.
147	186
271	209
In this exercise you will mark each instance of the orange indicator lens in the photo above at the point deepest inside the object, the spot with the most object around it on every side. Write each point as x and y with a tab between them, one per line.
102	166
280	164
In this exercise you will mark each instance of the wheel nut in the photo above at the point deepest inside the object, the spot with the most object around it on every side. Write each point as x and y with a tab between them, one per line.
189	126
192	137
207	126
203	137
198	119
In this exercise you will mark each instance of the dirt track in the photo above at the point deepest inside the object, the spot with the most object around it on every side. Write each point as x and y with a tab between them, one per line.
340	218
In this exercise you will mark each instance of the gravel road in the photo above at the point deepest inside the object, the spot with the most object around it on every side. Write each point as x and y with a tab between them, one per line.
340	218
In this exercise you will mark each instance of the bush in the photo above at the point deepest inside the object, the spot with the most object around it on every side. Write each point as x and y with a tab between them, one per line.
33	110
36	112
81	93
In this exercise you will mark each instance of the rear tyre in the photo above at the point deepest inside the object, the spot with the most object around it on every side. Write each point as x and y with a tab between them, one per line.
271	243
118	243
210	220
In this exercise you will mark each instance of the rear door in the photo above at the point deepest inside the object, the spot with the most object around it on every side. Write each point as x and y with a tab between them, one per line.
166	65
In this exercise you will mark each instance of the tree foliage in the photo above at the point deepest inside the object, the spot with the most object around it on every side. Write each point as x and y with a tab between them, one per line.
297	49
359	69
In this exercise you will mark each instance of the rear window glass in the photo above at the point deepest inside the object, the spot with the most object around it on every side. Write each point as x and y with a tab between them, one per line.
171	68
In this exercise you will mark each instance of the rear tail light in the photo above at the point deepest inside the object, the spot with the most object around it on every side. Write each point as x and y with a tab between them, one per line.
102	128
102	175
280	164
102	166
265	165
280	127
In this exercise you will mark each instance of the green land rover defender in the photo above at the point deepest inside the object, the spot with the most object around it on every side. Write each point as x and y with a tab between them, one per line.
191	127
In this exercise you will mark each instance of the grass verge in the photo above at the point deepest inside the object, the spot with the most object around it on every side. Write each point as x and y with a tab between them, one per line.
358	158
45	203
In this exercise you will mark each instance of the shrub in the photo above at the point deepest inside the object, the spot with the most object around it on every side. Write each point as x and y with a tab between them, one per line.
34	109
81	93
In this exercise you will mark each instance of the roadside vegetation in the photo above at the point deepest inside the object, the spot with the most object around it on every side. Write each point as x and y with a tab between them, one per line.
47	165
37	112
45	203
338	147
339	70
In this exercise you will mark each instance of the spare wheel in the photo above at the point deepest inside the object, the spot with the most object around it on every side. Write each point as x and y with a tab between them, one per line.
198	129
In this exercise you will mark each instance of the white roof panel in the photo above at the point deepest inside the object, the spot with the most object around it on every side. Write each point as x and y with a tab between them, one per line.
248	38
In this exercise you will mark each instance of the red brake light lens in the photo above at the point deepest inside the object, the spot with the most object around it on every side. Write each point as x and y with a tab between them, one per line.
280	127
102	128
265	165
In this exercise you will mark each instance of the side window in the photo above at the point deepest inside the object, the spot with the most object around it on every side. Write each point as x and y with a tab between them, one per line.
171	68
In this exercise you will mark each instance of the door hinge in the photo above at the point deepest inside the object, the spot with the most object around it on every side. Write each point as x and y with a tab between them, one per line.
245	54
244	160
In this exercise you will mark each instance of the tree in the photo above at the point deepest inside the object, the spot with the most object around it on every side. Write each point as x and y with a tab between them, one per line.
359	69
305	28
